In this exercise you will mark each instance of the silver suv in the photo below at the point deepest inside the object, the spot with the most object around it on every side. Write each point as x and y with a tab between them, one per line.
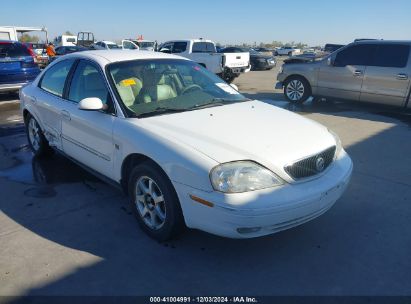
372	71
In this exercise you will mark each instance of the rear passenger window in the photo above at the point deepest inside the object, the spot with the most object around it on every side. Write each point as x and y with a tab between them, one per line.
361	54
54	79
179	47
391	55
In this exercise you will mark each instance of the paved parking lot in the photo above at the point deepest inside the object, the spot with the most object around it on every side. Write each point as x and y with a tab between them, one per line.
64	232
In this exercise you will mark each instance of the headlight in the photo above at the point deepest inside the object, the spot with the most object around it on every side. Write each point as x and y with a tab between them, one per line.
281	70
338	143
242	176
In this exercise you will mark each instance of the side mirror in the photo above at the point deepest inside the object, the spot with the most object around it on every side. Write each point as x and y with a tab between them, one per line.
234	86
330	61
91	104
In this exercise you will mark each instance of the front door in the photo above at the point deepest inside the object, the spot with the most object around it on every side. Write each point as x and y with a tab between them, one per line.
343	78
87	135
387	79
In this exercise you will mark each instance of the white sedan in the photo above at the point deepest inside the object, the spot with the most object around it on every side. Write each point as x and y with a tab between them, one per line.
189	149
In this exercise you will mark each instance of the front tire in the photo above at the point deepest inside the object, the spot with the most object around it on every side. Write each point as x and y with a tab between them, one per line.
297	89
37	141
154	202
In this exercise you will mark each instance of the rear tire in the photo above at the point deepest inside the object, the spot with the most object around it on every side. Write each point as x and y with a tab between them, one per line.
297	89
37	141
155	203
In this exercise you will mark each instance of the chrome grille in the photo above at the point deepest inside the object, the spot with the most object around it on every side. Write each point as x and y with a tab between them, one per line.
312	165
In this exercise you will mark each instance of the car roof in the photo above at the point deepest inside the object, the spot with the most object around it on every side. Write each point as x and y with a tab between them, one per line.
383	42
104	57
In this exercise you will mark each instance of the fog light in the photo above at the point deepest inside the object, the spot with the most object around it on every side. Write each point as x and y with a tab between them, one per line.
248	230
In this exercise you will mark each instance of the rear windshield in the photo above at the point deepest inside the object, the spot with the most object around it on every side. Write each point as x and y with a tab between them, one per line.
13	50
203	47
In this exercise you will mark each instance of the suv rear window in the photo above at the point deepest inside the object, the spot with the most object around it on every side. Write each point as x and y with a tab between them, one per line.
13	50
203	47
391	55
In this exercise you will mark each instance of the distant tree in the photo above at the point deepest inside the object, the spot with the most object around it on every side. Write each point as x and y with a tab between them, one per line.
29	38
68	33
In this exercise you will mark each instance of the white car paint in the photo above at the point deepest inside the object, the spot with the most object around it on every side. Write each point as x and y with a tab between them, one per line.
188	145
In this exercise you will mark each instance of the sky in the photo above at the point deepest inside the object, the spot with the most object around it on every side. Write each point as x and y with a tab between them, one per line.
314	22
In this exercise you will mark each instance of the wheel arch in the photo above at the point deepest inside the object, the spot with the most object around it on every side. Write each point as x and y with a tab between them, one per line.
128	164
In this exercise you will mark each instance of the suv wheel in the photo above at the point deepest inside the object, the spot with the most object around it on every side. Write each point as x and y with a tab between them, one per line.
297	89
154	202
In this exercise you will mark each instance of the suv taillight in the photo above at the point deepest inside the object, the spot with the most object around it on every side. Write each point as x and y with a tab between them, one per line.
32	54
223	61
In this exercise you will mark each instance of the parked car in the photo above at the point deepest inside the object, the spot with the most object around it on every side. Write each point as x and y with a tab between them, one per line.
370	71
18	65
64	50
226	65
288	51
39	50
172	135
265	51
258	61
109	45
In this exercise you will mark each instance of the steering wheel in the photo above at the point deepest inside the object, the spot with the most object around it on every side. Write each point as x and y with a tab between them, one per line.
191	87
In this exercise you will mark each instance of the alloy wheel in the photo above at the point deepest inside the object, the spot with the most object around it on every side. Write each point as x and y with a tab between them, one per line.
34	134
150	203
295	90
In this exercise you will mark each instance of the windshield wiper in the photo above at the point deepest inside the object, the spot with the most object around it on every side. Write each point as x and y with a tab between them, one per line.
216	102
160	111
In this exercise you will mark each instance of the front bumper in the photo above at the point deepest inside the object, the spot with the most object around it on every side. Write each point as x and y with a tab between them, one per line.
263	212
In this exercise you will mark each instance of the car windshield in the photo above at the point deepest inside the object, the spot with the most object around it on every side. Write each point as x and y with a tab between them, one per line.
162	86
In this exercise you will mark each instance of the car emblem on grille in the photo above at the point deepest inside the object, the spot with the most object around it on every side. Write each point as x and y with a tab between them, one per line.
319	164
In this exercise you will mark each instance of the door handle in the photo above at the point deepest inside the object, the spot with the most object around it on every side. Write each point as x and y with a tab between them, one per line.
65	115
402	76
357	73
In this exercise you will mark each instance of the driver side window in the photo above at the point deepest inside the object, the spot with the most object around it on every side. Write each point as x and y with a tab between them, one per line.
88	82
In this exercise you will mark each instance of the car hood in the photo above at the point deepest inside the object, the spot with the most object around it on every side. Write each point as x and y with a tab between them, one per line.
251	130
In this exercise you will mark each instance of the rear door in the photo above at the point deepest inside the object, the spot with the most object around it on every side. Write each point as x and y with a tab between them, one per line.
49	100
87	135
387	79
344	77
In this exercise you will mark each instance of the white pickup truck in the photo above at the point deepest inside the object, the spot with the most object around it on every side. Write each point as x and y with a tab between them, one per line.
226	65
288	50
